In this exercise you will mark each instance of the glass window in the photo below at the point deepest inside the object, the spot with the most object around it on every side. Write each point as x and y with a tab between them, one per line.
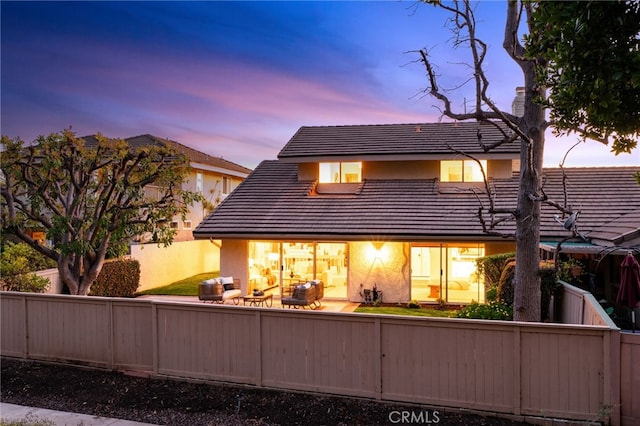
226	185
199	182
347	172
264	266
462	171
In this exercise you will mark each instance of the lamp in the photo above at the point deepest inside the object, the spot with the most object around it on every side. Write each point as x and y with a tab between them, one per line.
273	259
378	251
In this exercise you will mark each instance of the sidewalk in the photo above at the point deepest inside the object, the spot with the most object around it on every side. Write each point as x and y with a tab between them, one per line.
30	415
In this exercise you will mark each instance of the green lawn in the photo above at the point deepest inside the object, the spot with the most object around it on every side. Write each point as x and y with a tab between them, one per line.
186	287
401	310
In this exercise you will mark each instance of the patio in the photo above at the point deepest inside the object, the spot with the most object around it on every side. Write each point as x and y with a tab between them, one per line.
328	305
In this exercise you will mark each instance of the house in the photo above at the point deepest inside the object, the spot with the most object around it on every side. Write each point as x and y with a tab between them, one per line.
213	177
395	207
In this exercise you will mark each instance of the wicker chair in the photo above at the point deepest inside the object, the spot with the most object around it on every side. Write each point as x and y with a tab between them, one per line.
304	295
214	292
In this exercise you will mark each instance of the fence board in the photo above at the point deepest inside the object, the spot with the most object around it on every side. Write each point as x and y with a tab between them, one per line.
13	339
319	352
69	328
554	370
630	379
210	342
447	363
132	335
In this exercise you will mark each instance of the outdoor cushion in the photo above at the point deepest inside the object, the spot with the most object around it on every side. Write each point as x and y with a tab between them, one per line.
230	294
228	286
226	280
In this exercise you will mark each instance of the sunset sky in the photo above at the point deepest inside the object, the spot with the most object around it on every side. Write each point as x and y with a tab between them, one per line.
237	79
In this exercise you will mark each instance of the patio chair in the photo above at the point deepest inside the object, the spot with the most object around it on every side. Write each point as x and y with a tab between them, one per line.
219	290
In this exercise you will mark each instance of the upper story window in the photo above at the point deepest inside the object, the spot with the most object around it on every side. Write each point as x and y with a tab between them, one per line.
462	171
341	172
226	185
199	182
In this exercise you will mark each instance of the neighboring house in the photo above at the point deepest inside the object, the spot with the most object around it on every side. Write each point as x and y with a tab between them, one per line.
213	177
396	207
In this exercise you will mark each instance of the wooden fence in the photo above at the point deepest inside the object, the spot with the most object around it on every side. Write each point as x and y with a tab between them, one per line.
580	307
550	370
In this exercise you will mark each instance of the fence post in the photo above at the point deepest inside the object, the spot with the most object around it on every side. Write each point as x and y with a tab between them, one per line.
377	342
258	317
154	332
517	379
25	353
611	348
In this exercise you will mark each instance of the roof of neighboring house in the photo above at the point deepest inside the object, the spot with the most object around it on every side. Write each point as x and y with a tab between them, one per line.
623	230
273	204
193	155
389	141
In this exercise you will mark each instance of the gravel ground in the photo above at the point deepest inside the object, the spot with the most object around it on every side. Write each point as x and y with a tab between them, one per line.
173	402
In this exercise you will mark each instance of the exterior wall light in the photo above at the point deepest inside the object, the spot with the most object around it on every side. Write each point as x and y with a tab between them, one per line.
378	252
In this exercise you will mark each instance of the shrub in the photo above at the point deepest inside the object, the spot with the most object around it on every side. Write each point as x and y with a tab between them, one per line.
34	260
118	278
505	283
490	311
491	267
413	304
492	294
548	286
17	264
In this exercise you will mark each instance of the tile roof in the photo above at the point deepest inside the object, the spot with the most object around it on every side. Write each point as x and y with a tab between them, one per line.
272	204
193	155
423	139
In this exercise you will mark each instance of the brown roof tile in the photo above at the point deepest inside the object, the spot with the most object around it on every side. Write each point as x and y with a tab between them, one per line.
428	139
192	154
272	204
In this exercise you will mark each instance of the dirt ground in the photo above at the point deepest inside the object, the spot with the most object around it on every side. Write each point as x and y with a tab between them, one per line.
172	402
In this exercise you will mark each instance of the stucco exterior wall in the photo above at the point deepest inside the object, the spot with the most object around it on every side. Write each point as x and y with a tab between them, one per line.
160	266
212	191
388	269
234	261
500	168
307	171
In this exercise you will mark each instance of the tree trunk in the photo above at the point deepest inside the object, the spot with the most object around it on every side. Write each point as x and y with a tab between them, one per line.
79	283
527	298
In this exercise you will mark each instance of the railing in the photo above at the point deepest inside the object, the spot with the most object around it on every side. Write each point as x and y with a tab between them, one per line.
525	369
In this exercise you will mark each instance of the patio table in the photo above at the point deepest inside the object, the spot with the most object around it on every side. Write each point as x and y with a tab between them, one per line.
262	300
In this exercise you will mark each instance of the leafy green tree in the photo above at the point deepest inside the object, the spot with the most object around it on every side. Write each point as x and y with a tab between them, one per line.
590	55
580	63
88	196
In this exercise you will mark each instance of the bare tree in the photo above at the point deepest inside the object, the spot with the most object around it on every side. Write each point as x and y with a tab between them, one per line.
528	129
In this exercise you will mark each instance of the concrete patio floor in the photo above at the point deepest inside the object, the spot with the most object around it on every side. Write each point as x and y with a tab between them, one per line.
328	305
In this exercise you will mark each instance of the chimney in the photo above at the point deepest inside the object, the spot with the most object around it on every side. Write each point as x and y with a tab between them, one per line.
517	106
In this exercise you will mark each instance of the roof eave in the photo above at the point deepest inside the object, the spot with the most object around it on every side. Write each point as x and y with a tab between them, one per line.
393	157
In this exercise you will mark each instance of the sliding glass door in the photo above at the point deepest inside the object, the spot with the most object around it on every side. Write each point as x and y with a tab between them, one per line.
446	272
278	266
